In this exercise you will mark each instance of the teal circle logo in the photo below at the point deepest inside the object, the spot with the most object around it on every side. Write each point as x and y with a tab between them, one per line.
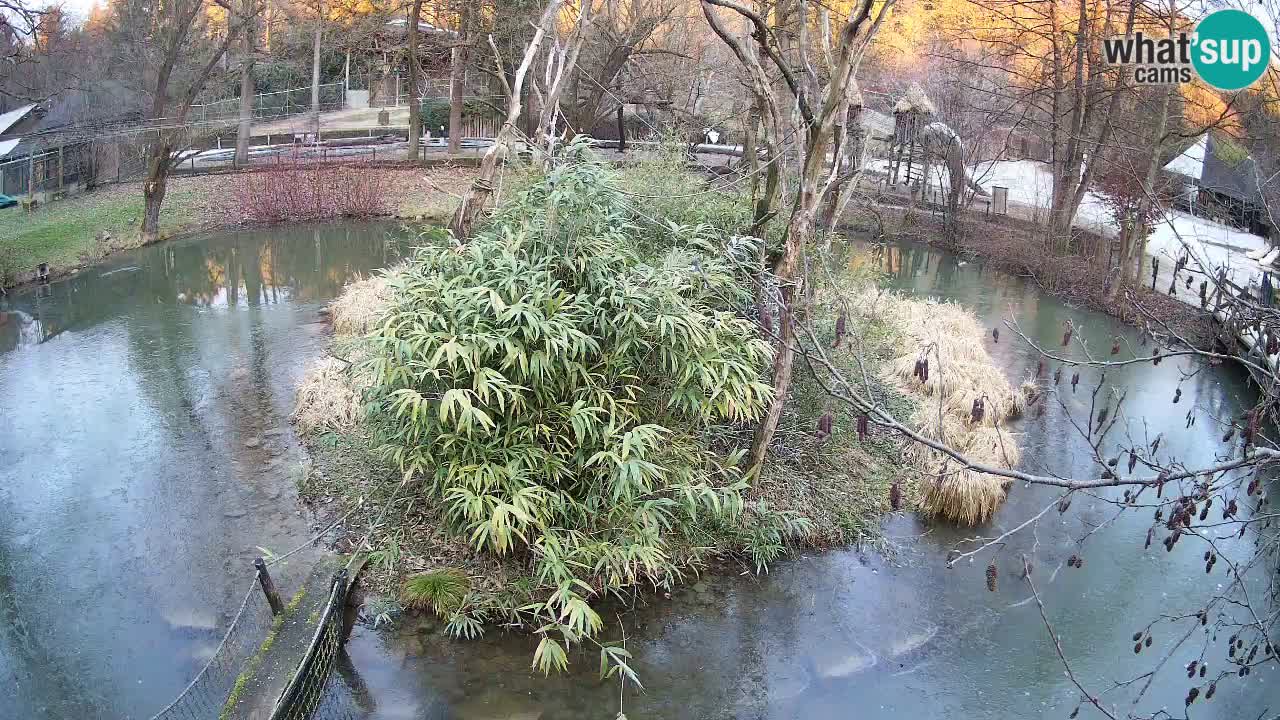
1232	49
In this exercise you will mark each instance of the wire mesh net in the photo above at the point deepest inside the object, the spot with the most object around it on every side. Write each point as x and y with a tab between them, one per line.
207	694
282	103
318	690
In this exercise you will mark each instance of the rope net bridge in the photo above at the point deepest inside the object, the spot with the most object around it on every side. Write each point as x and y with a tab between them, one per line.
320	686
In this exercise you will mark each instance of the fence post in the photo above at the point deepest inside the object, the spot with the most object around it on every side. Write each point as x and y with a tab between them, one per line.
268	587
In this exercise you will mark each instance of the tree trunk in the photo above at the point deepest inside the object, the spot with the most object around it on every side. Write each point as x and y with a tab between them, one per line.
622	131
1136	246
154	187
457	74
851	160
750	159
790	287
315	80
956	173
246	89
764	210
415	111
458	80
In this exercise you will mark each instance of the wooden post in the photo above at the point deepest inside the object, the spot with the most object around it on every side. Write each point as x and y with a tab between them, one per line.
31	175
622	131
268	587
61	184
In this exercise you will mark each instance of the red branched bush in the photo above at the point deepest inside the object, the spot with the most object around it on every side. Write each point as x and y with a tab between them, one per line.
306	191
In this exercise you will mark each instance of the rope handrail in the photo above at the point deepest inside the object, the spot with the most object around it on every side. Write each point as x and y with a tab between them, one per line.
244	604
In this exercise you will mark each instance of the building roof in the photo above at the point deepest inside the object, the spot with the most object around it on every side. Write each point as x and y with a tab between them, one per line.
11	118
1218	166
1190	163
424	27
6	146
877	123
914	101
1228	170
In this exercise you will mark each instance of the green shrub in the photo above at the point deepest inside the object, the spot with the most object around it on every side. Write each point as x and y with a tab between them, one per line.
442	591
8	266
435	112
554	386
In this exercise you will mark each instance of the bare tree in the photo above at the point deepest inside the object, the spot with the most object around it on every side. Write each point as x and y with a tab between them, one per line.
415	74
178	46
249	12
481	190
561	64
821	104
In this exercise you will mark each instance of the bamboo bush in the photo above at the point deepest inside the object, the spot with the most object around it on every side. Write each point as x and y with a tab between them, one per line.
553	387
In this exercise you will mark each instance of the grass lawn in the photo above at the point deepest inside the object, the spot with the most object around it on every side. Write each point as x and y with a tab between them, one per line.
66	233
72	233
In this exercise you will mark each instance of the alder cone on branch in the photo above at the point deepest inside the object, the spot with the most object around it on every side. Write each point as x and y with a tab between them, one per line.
992	574
824	426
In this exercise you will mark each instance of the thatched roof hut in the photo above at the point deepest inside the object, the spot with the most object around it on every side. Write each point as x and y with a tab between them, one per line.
914	101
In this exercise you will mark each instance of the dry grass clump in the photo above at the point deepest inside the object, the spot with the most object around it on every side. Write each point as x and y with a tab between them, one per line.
960	372
360	305
329	397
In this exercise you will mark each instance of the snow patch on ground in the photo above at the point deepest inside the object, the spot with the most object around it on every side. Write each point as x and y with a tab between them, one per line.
1210	244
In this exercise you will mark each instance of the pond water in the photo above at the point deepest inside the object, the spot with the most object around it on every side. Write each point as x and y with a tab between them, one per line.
844	634
145	456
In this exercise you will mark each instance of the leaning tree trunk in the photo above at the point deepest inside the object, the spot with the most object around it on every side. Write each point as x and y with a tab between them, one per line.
790	281
153	188
477	197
